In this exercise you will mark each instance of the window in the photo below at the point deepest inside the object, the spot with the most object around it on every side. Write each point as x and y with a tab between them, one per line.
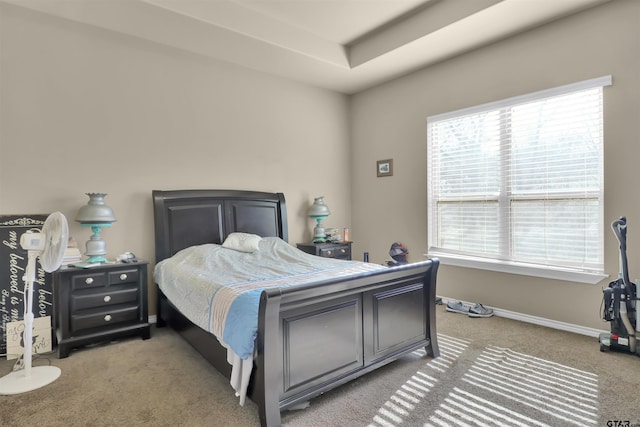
517	185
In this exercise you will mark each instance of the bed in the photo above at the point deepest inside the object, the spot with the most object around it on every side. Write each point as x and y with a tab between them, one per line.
310	338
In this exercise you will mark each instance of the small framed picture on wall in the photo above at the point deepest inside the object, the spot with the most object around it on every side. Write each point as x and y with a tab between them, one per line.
384	167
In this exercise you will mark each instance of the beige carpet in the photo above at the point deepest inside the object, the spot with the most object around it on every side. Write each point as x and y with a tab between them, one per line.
492	371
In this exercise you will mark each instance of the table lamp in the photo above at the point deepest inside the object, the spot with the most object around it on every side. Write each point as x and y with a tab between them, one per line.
319	211
96	215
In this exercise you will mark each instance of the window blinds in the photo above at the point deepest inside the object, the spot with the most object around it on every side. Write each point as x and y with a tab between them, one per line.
521	179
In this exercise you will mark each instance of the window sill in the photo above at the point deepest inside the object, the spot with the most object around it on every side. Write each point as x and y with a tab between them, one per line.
518	268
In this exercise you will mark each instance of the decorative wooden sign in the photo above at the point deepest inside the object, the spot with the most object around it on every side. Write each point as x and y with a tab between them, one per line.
13	263
41	337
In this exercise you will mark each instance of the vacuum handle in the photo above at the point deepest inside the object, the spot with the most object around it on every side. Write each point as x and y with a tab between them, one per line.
619	227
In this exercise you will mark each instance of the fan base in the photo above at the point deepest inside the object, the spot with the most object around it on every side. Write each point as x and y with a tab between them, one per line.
18	382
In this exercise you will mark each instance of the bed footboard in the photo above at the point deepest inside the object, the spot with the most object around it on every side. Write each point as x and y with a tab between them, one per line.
314	338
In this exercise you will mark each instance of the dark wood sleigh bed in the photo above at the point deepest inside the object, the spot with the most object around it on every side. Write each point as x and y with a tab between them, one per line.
311	338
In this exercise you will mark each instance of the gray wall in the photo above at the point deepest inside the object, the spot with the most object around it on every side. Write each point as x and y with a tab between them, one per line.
389	121
89	110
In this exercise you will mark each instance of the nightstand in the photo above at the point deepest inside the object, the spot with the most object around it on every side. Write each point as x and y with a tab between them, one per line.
338	250
99	304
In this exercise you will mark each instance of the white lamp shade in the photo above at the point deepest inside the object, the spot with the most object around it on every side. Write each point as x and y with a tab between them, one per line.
95	212
318	209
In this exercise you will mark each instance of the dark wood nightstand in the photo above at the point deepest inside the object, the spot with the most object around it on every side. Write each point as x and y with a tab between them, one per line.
338	250
99	304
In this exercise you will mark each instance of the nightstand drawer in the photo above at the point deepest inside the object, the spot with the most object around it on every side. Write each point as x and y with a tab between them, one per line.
341	252
103	318
88	280
112	296
337	250
123	276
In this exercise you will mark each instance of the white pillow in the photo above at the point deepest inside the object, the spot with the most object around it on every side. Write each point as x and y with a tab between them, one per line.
243	242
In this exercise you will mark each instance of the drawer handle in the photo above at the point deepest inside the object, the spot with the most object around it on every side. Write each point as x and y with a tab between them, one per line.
88	280
329	253
343	251
123	276
107	318
107	298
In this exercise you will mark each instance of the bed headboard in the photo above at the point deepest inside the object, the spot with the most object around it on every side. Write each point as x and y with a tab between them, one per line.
186	218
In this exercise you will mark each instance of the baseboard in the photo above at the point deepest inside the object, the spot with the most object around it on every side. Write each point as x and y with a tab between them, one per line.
582	330
550	323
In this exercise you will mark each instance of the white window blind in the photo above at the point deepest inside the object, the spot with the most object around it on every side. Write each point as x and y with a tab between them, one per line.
519	181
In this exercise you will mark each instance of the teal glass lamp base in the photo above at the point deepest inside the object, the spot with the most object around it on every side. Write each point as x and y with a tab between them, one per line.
96	247
319	235
319	211
96	259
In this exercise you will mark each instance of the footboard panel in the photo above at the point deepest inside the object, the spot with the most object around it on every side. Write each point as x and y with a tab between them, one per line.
395	319
321	342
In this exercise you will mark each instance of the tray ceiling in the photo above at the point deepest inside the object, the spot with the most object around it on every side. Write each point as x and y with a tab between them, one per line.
342	45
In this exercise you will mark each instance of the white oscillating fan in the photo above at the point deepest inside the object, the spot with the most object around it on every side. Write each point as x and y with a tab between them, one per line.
49	245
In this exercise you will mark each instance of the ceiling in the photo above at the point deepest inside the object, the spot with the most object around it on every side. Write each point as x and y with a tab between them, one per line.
342	45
